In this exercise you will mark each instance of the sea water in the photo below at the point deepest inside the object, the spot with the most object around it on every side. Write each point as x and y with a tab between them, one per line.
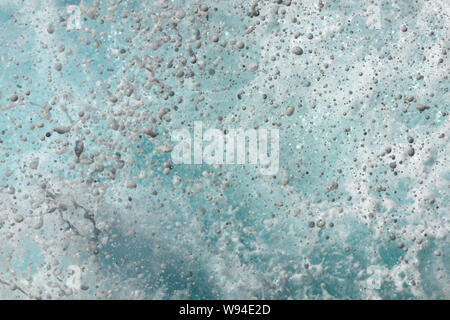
93	206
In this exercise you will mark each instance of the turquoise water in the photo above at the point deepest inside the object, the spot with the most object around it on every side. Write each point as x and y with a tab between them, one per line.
358	208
